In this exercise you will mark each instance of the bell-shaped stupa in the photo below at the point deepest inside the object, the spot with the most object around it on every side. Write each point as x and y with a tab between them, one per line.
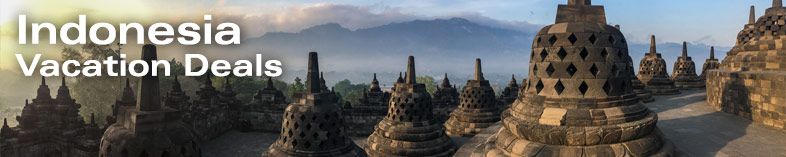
410	128
313	123
580	101
477	109
749	82
684	75
653	74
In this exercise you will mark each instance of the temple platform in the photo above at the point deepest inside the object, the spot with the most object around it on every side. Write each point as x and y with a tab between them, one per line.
695	128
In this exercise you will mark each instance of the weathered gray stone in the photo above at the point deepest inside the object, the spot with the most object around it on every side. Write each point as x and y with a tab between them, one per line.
313	123
580	99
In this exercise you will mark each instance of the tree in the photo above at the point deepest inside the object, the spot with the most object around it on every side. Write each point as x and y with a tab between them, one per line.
351	92
296	87
96	94
431	85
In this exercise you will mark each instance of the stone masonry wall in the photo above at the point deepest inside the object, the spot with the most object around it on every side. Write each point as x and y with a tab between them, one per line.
758	96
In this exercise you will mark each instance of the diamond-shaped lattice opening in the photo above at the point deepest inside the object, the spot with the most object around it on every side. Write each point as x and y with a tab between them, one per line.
562	53
593	39
604	53
620	54
294	143
290	133
550	69
571	69
611	39
572	38
315	135
538	39
594	70
302	117
614	70
543	54
532	55
307	144
308	126
584	53
297	125
535	69
607	88
553	39
559	87
539	86
302	135
583	88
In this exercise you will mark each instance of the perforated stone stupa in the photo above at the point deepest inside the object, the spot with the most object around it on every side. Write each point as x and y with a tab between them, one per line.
313	124
410	128
445	99
653	74
478	108
750	80
509	94
709	64
149	128
684	75
581	102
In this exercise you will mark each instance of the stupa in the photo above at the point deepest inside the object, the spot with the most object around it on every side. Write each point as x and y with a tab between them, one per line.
509	94
638	87
265	111
750	80
209	116
653	74
313	123
709	64
580	102
478	108
176	98
445	99
50	127
149	128
372	108
410	128
684	75
127	100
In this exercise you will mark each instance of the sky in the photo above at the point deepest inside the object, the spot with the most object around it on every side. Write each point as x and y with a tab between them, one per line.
709	22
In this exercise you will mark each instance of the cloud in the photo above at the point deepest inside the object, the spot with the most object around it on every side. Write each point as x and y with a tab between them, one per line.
296	18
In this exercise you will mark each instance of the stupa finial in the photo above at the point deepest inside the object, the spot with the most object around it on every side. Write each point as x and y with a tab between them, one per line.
579	2
653	50
752	18
411	79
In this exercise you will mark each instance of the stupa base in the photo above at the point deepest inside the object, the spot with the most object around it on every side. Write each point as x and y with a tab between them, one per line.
504	144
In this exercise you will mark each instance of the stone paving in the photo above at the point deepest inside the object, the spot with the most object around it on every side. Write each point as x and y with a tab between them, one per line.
693	126
699	130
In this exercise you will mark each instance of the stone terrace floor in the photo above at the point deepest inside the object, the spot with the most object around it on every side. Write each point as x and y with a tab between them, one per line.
697	129
693	126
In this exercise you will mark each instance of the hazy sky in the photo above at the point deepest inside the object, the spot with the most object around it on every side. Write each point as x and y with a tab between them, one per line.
710	22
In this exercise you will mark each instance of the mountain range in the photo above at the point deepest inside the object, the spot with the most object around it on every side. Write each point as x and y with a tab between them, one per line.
439	46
